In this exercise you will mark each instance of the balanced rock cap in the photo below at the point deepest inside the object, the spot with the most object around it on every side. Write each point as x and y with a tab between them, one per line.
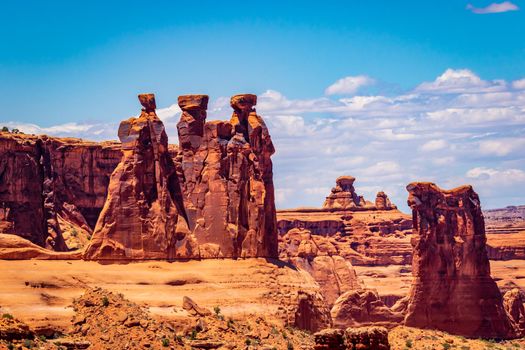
243	102
193	102
148	102
345	180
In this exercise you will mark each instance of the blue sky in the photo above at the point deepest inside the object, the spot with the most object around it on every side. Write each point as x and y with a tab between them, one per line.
433	88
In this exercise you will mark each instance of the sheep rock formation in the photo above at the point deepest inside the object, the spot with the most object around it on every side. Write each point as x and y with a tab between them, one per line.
226	172
343	195
143	216
383	202
452	289
53	189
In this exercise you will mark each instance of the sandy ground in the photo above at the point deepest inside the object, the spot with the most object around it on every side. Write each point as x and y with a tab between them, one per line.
41	292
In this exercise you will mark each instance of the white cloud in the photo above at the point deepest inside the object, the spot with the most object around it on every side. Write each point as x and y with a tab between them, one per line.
502	147
349	85
434	145
459	81
519	84
495	7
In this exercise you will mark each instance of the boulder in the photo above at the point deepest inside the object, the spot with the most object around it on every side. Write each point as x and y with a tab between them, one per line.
363	308
513	302
452	289
367	338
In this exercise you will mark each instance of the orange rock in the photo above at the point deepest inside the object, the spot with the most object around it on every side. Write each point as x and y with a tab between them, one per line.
363	308
52	189
452	289
143	217
226	172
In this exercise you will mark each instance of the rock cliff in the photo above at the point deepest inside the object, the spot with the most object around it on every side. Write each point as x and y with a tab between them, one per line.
52	189
452	289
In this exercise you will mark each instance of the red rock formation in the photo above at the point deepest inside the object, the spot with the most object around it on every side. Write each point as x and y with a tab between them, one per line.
343	195
226	173
383	202
318	256
366	237
452	289
143	217
363	308
363	338
52	189
310	313
367	338
513	302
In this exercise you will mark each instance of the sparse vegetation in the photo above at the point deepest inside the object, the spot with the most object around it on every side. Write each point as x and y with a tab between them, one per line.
289	346
43	338
5	129
10	346
193	334
74	233
28	343
105	301
248	341
8	316
446	346
165	342
408	343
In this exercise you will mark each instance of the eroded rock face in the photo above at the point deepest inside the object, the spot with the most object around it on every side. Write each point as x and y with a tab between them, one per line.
52	189
318	256
383	202
343	195
367	338
363	308
226	172
143	217
513	302
452	289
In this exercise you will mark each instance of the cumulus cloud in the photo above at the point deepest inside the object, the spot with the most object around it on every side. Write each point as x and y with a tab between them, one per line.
349	85
459	81
434	145
495	7
519	84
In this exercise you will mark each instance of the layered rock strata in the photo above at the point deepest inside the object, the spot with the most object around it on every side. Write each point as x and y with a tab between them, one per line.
226	172
452	289
143	217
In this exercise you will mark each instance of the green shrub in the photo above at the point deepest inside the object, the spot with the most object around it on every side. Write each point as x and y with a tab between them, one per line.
289	346
408	343
8	316
446	346
6	129
28	343
165	342
217	310
43	338
248	341
105	301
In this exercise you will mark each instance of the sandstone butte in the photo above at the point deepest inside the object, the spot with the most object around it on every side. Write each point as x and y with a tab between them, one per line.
452	288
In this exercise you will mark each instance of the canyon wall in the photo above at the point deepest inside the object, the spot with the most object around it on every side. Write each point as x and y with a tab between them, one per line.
52	189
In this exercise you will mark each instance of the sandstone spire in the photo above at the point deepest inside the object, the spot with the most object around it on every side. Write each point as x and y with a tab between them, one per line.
227	175
452	289
143	217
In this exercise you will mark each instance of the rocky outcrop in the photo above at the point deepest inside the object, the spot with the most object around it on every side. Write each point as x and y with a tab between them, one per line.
343	195
363	308
13	247
226	172
52	189
363	338
310	313
360	237
318	256
367	338
383	202
143	217
452	289
513	302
